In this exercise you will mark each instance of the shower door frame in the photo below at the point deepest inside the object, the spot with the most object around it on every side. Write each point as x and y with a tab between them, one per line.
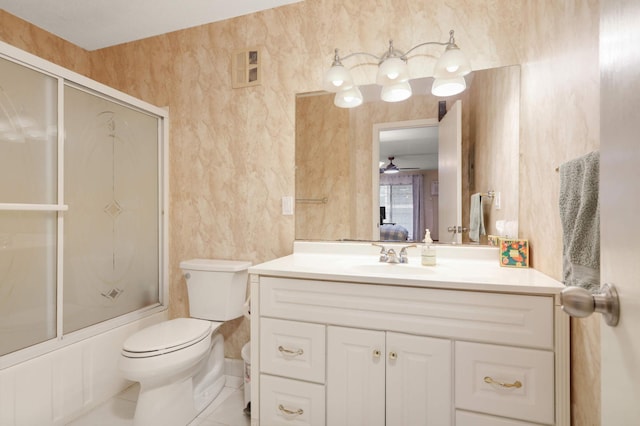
69	78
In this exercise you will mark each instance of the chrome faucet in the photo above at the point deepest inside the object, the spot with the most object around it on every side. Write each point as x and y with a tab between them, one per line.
389	255
404	258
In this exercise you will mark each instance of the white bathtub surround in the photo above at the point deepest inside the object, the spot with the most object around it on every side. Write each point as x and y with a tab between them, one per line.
456	343
59	386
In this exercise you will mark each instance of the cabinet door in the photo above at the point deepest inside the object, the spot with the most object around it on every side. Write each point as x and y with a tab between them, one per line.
355	377
419	380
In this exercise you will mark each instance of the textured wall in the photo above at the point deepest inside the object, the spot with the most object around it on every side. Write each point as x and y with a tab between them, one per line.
25	36
494	129
322	168
560	120
232	151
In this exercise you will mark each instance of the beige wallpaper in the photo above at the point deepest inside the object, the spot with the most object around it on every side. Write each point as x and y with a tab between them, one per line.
232	150
560	120
494	129
25	36
323	161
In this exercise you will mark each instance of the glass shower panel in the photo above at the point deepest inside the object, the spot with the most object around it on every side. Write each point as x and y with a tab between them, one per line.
111	234
27	279
28	176
28	135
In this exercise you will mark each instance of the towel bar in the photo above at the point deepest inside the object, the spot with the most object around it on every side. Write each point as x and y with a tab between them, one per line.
312	200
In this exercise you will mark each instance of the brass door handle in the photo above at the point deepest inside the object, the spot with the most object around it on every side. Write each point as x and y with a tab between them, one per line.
288	412
517	384
290	352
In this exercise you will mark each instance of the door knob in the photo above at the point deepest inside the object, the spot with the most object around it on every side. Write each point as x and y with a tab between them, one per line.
580	303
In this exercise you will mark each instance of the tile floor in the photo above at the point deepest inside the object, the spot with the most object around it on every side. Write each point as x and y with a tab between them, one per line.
226	410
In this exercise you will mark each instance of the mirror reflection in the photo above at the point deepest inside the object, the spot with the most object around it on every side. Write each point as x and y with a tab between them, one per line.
340	153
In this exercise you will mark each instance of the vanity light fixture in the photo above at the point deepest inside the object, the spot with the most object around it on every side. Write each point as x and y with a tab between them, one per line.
393	74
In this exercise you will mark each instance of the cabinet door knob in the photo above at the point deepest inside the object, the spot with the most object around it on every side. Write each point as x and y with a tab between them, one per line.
393	355
376	353
517	384
290	352
288	412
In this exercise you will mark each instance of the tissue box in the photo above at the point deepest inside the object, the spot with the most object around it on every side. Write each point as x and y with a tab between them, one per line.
514	252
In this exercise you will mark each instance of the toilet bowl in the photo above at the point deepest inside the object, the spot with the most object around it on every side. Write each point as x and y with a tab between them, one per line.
180	363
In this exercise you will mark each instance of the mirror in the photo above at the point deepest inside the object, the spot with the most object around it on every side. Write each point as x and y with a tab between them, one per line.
335	167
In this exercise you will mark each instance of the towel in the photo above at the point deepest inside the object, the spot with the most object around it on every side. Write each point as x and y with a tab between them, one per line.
476	218
580	218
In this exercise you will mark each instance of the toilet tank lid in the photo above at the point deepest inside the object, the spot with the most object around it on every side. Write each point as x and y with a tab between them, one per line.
215	265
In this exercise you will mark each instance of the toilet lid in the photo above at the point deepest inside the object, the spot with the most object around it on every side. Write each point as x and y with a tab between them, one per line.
169	335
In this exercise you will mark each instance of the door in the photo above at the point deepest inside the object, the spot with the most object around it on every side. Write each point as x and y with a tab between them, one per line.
355	377
619	207
449	174
418	380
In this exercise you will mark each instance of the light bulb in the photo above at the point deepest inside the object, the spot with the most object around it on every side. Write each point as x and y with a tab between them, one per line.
349	98
396	92
337	78
392	70
448	87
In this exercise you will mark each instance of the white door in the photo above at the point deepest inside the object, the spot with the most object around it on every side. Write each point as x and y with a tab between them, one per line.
620	207
355	377
449	174
418	380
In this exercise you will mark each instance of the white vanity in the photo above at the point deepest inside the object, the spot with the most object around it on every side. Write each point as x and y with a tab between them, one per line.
340	339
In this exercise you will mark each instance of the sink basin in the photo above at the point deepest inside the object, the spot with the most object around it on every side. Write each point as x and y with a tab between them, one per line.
392	269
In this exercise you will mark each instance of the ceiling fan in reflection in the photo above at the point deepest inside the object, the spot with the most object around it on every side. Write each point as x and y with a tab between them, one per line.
392	168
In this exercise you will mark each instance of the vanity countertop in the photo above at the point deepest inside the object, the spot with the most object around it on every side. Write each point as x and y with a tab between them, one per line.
458	268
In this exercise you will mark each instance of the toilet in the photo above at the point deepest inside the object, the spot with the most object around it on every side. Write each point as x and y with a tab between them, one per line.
180	363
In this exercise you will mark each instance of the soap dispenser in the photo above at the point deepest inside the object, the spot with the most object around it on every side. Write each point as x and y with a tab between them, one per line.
428	250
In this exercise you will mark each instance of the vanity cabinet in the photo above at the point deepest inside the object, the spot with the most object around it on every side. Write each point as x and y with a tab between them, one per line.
376	375
334	352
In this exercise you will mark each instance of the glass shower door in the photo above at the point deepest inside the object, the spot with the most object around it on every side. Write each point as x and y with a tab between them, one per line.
112	228
29	206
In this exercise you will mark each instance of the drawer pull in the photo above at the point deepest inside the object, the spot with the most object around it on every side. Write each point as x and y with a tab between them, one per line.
393	355
289	352
288	412
515	384
376	353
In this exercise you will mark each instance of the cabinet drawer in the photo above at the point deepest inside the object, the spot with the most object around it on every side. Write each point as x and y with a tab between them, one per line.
518	320
291	402
292	349
505	381
464	418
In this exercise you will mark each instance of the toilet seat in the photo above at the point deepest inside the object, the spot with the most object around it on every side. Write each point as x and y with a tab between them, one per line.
167	337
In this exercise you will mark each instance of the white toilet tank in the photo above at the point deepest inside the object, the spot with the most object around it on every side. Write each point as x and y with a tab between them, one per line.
216	288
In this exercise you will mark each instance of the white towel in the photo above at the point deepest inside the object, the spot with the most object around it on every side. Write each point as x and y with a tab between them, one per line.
476	219
580	218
